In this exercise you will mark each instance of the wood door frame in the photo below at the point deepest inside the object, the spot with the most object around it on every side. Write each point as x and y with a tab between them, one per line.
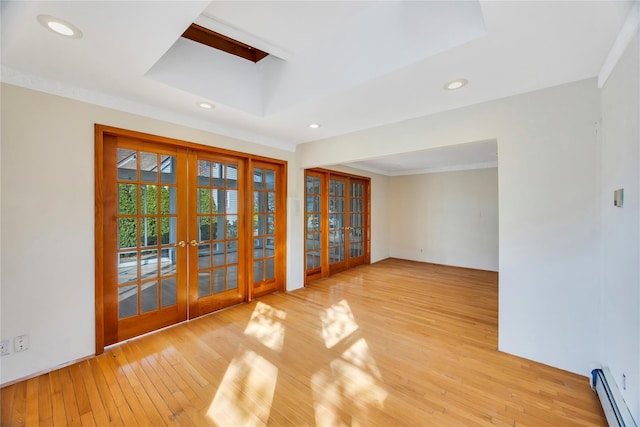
325	175
104	131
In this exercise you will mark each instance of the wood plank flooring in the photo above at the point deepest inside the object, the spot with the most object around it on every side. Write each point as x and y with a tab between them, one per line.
390	344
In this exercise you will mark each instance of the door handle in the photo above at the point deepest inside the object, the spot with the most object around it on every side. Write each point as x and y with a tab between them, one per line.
181	243
195	243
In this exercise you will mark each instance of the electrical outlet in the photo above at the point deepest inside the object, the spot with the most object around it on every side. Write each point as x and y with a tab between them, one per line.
21	342
624	381
4	348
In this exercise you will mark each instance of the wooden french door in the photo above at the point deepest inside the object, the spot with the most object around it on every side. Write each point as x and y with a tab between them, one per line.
145	233
216	273
337	222
267	266
347	223
181	231
315	251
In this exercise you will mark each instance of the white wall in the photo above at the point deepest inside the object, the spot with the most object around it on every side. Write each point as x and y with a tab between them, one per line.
446	218
620	168
47	221
548	204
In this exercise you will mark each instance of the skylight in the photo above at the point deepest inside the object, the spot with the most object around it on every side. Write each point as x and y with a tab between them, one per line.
218	41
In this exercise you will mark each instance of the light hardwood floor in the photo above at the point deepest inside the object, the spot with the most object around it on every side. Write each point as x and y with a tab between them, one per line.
394	343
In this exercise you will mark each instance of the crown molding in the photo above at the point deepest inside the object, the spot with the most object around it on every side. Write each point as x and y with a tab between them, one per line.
16	77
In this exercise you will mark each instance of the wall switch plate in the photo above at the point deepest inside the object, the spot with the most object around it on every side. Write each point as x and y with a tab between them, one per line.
618	197
21	342
4	348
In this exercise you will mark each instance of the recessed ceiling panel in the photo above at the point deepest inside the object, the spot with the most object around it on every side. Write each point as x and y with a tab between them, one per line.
356	44
211	74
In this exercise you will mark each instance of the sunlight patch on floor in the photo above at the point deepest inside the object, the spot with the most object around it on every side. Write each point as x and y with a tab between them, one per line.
350	389
358	376
337	323
245	394
266	326
327	399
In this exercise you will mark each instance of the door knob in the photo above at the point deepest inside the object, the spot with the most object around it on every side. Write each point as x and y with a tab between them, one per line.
181	243
195	243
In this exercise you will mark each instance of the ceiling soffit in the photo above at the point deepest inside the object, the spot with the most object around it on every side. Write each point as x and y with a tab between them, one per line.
472	155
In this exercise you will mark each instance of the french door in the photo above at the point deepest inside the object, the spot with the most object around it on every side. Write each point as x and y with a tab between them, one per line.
316	206
216	266
337	222
144	237
181	230
347	223
266	216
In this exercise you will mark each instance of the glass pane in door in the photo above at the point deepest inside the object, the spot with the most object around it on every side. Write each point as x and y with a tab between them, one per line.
217	227
356	223
313	215
336	221
264	226
146	226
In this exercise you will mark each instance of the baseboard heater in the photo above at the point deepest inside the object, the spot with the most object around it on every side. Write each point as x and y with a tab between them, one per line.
613	405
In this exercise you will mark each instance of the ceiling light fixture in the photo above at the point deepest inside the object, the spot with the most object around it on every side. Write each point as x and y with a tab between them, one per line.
314	125
205	105
456	84
60	26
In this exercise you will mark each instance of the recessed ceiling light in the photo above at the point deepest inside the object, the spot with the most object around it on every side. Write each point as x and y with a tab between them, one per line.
456	84
205	105
314	125
60	26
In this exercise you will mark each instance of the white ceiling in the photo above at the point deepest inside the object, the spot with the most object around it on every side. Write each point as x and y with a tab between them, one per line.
346	65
